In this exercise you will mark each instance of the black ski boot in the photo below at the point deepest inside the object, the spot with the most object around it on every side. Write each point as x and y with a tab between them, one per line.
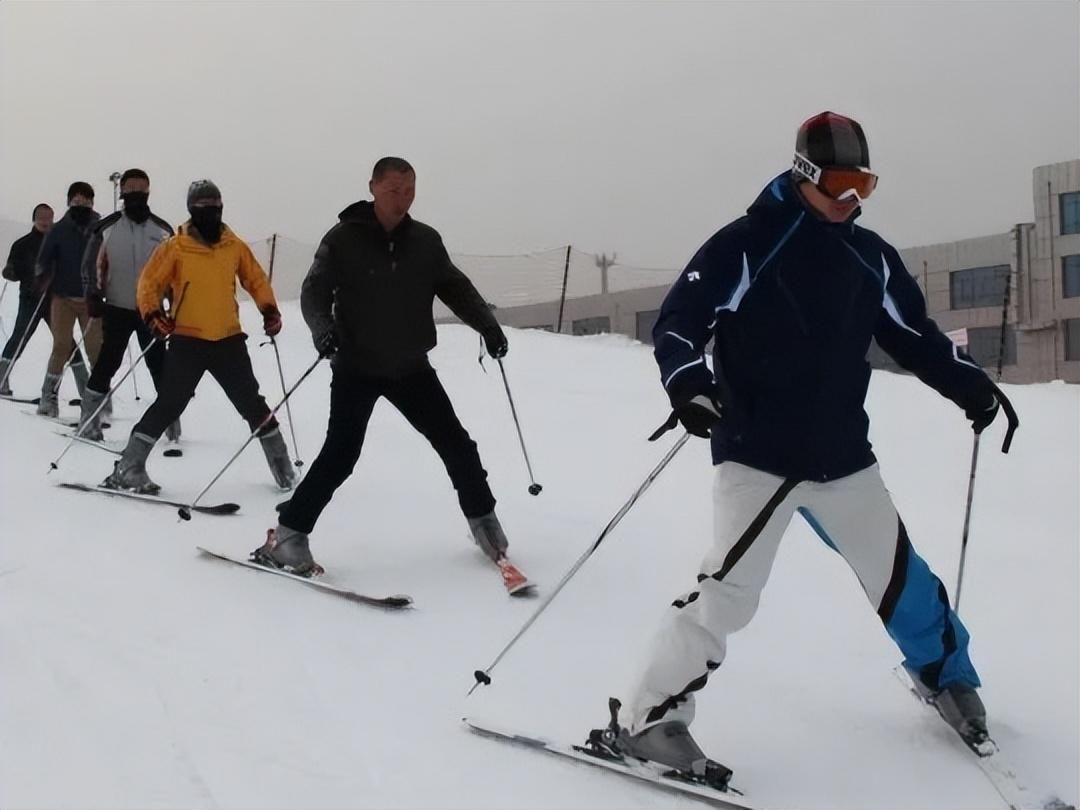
961	707
668	744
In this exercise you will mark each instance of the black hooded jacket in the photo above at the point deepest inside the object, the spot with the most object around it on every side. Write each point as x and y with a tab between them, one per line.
376	290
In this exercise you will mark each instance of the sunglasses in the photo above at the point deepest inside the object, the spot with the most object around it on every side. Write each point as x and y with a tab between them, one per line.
840	183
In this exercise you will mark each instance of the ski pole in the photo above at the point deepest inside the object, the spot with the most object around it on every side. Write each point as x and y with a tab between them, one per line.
79	431
967	521
24	338
134	377
534	488
3	292
288	408
483	676
101	405
185	511
1013	424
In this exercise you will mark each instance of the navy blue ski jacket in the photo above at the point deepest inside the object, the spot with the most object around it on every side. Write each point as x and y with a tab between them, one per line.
792	302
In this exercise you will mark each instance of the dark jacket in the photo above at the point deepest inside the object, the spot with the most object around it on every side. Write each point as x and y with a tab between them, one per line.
793	303
21	260
60	259
376	290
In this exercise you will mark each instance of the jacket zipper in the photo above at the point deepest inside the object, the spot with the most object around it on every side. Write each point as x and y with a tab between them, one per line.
393	259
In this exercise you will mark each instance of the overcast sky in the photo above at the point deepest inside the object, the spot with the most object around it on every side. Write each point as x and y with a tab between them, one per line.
632	127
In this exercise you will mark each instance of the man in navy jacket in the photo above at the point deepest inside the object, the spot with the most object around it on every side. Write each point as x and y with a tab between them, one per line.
792	294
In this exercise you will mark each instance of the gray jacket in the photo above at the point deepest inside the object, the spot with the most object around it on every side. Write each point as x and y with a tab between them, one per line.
116	254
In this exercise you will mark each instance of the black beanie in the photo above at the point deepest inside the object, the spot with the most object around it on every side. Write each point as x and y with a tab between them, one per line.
829	139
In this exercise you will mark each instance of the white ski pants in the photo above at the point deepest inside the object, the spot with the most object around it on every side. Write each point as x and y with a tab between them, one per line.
752	509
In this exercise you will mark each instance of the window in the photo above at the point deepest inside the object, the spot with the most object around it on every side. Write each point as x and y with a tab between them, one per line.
646	320
592	326
978	287
984	345
1070	276
1070	212
1072	339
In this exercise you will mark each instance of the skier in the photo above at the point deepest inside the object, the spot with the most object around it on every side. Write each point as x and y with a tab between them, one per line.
199	267
118	250
33	306
792	293
367	300
59	270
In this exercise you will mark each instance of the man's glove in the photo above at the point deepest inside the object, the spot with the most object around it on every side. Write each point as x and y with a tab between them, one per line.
699	416
271	322
160	324
983	413
95	305
327	343
495	342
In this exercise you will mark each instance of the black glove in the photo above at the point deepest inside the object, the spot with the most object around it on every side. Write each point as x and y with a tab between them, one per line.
982	414
160	324
496	343
328	343
699	416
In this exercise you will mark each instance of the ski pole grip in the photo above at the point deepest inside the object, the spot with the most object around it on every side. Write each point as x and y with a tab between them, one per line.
1010	414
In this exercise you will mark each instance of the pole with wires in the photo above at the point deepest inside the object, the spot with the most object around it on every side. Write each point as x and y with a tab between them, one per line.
185	511
534	488
281	374
483	676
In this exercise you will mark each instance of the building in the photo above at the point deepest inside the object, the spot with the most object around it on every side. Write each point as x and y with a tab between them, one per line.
1027	279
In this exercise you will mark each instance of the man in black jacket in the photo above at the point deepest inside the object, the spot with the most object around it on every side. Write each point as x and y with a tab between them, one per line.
367	300
59	269
20	268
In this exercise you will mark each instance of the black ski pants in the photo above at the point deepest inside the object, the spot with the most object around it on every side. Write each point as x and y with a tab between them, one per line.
186	361
117	324
26	323
421	399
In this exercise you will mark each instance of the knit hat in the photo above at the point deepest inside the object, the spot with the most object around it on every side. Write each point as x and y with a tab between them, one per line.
202	190
829	139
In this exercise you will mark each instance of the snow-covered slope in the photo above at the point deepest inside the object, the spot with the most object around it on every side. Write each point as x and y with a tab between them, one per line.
136	674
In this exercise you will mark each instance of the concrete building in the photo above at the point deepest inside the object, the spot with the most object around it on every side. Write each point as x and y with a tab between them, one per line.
1028	278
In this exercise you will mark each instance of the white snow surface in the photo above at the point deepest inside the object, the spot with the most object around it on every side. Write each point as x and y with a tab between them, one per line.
135	673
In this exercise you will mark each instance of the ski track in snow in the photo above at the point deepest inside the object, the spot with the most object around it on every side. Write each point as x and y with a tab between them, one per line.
137	674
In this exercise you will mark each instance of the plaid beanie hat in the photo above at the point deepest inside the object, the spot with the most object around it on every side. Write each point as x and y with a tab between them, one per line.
829	139
202	190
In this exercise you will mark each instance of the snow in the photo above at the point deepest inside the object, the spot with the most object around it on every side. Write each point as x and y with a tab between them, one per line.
138	674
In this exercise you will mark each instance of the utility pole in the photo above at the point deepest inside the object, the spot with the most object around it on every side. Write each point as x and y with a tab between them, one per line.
603	262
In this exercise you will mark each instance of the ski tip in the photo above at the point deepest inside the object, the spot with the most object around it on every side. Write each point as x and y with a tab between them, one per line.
526	590
173	452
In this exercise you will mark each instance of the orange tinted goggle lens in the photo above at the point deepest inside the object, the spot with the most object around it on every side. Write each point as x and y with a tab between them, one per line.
836	182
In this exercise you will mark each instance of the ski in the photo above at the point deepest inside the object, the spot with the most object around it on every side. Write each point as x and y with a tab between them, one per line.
657	775
396	601
108	447
517	584
64	421
20	400
215	509
993	764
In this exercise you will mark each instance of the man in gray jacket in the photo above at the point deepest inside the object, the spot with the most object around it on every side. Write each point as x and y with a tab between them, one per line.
120	246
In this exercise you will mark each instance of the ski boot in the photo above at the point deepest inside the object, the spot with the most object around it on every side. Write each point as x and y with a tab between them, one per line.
287	550
90	416
277	457
130	471
5	375
667	744
49	404
961	707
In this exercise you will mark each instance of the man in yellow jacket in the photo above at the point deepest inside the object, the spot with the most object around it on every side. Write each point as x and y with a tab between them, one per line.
198	270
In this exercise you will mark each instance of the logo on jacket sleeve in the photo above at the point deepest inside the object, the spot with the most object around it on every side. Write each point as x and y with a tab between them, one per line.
693	275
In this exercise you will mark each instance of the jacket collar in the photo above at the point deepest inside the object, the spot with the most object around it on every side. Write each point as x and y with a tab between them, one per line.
363	213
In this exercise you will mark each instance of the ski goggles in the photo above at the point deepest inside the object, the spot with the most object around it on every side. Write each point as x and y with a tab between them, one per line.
838	182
